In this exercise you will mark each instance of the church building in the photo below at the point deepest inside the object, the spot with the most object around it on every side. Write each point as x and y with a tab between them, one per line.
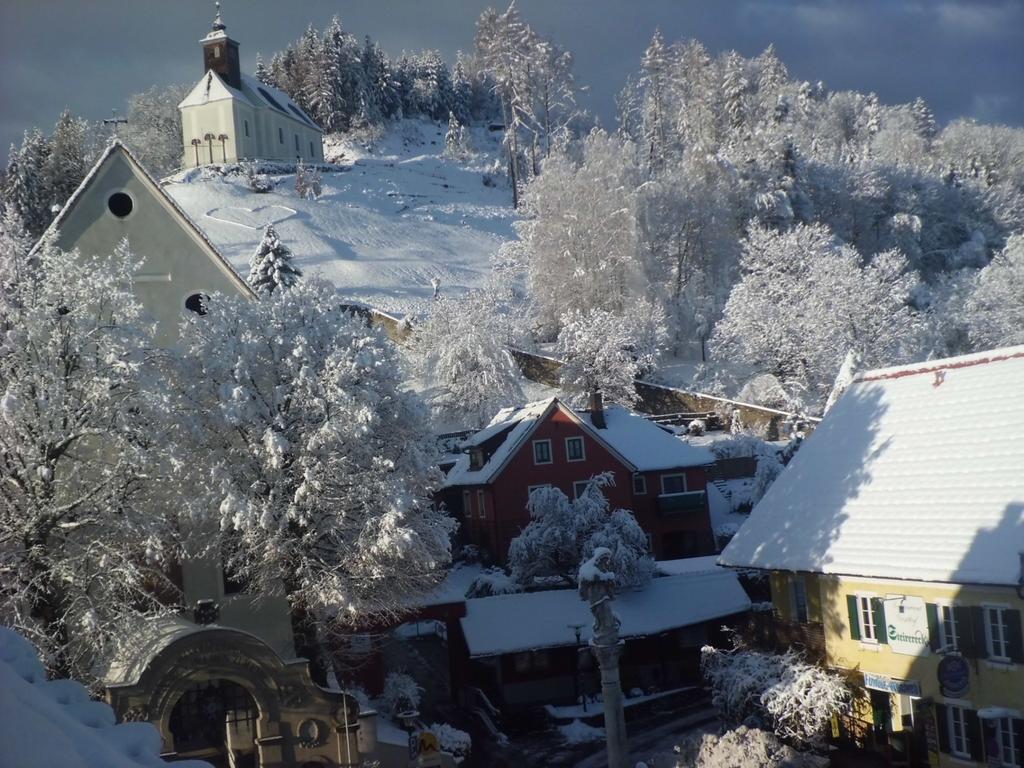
230	116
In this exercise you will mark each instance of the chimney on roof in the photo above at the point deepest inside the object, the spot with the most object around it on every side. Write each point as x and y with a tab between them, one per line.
596	408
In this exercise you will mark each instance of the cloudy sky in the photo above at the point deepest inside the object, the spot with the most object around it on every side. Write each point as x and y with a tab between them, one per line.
965	57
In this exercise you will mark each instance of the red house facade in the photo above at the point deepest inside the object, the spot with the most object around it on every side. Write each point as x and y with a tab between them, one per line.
658	476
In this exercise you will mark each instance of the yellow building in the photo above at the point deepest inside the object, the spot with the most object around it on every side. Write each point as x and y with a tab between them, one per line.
895	542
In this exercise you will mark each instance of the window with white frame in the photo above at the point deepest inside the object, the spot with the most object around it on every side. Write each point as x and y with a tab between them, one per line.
947	628
798	597
639	484
673	484
482	511
580	487
574	449
866	617
541	451
1011	752
532	488
956	724
467	503
997	630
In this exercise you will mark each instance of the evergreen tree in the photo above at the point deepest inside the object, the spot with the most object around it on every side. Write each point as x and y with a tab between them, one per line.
25	187
270	266
67	162
462	93
263	74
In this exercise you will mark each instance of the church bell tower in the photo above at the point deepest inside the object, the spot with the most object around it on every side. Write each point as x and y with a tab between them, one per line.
220	53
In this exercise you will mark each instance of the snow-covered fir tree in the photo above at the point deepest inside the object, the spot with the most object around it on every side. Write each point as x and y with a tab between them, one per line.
270	266
321	465
562	533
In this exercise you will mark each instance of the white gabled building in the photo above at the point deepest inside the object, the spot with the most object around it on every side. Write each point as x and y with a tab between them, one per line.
231	116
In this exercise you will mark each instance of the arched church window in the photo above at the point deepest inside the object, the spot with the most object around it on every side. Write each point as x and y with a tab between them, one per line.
280	134
296	142
120	204
197	303
246	122
312	152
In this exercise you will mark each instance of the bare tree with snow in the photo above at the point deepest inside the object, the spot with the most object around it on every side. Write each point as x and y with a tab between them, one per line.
995	308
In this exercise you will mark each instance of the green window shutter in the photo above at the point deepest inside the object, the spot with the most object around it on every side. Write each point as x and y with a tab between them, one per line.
964	633
851	608
934	635
978	632
942	727
878	614
1014	637
974	739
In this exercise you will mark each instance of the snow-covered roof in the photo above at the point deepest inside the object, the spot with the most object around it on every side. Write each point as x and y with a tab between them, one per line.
645	445
279	101
535	620
212	88
916	473
704	564
150	637
639	442
46	723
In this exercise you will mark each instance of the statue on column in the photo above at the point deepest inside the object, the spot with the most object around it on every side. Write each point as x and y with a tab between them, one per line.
597	587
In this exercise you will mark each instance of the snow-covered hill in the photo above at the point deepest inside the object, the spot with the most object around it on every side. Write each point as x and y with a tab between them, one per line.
400	215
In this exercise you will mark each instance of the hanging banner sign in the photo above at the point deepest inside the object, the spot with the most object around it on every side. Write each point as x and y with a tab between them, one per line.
906	625
891	685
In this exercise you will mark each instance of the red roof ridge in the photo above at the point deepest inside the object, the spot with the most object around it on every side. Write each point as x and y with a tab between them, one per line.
946	364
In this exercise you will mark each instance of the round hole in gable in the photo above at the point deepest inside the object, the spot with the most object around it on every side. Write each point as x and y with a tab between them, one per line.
120	204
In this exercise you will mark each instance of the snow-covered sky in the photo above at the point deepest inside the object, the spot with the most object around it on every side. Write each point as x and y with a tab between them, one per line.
966	57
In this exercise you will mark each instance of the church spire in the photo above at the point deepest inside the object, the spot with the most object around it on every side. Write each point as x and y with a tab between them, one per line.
218	22
220	52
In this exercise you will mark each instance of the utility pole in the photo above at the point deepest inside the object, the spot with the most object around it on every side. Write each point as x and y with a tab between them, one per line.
597	587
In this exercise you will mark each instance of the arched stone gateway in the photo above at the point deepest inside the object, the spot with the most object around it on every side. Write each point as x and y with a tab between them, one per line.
295	721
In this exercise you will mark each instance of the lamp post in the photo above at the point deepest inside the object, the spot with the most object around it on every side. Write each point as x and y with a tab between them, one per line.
223	147
210	137
578	629
195	144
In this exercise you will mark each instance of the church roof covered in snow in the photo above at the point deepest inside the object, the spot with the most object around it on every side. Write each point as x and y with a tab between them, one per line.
916	473
639	442
534	620
253	93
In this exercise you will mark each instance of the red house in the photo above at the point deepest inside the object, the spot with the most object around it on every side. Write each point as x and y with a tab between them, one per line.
658	476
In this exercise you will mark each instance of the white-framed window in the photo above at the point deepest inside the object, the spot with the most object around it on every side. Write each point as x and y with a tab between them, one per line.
580	487
467	503
574	450
542	452
947	629
997	631
639	484
866	618
480	502
798	597
673	484
1010	752
530	489
956	724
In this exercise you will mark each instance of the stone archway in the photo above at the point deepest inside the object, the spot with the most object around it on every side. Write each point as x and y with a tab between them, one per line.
215	720
283	693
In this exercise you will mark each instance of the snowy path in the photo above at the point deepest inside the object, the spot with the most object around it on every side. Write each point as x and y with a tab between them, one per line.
381	231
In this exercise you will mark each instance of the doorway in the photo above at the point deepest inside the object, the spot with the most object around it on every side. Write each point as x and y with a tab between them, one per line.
216	721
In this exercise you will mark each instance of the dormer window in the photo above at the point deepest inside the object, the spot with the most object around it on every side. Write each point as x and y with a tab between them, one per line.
476	458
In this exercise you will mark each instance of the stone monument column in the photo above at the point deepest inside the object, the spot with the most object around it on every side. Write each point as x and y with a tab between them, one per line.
597	587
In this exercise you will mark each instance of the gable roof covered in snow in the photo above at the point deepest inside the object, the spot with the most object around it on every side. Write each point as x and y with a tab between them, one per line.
253	93
534	620
642	445
916	473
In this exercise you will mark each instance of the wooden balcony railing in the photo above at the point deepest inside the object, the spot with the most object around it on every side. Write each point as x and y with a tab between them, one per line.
675	504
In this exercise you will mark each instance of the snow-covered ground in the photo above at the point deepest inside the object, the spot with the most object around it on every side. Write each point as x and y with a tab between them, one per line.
399	215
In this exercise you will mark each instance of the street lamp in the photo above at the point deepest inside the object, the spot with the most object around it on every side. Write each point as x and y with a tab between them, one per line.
578	630
196	143
223	147
210	137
